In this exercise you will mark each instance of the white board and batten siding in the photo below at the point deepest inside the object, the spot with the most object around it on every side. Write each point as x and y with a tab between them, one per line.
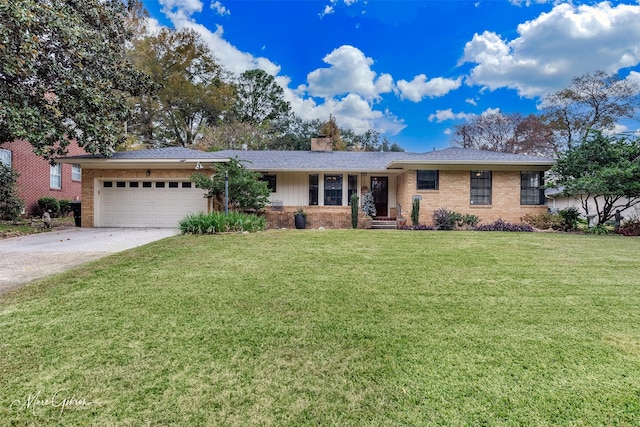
292	189
137	203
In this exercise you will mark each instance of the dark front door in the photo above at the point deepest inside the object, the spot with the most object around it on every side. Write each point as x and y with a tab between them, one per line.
380	191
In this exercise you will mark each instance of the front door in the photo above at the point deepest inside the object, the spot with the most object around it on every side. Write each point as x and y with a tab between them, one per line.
380	191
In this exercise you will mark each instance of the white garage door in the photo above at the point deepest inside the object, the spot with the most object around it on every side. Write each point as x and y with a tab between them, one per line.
148	203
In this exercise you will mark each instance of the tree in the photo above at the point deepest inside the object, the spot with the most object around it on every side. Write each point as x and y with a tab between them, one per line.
193	92
64	75
592	102
601	170
10	204
246	190
260	99
232	135
331	130
507	133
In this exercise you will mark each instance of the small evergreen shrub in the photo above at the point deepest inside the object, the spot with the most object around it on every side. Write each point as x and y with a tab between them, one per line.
570	217
501	225
467	220
218	222
65	207
415	212
629	228
354	210
48	203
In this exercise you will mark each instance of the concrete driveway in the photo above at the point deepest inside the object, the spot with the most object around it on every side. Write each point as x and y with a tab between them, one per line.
27	258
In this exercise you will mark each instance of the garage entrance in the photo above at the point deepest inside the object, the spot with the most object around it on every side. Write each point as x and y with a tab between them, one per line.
158	203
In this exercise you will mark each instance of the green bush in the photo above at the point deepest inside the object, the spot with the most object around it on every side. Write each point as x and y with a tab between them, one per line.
65	207
444	219
415	212
599	229
10	204
543	221
218	222
570	217
466	220
49	203
354	210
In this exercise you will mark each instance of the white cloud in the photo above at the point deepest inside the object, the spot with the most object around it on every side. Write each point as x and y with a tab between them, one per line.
328	10
188	6
220	9
471	101
350	72
564	43
443	115
419	87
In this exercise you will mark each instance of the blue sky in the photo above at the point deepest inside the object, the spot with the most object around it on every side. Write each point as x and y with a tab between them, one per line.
413	69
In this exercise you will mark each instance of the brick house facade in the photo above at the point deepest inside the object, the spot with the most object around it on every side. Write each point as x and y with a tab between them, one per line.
38	179
130	188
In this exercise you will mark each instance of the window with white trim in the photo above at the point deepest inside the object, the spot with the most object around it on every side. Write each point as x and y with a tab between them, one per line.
55	176
76	173
5	157
480	188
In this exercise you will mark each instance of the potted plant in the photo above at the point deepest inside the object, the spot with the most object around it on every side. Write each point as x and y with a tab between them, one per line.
369	209
300	218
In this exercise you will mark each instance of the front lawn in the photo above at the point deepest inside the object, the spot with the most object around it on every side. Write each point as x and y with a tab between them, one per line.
332	328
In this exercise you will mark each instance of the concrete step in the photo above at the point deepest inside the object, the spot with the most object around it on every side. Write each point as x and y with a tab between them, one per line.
383	224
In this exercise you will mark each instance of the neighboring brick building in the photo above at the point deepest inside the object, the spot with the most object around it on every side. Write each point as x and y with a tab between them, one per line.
152	187
38	178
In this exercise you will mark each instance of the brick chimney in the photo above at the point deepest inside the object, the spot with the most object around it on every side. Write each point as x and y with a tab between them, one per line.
321	143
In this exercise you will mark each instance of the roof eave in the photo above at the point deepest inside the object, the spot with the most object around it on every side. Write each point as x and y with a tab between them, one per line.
109	163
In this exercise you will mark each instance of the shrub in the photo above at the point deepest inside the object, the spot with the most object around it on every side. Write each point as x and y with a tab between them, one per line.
65	207
630	228
599	229
467	220
501	225
48	203
218	222
10	204
354	210
543	221
419	227
415	212
570	217
444	219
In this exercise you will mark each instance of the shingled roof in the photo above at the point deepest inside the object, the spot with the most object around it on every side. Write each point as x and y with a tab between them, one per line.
376	161
310	161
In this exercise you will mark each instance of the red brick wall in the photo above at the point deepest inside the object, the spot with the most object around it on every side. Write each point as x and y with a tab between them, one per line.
33	182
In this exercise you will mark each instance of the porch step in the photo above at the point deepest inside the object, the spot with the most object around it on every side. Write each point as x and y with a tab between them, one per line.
379	224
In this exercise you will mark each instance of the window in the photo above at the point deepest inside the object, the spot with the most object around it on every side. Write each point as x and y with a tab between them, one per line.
5	157
107	184
76	173
313	190
159	184
333	190
134	184
186	185
427	179
353	187
173	184
531	191
480	187
271	182
121	184
55	176
146	184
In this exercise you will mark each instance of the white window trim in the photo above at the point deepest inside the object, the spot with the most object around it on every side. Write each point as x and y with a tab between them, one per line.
76	173
55	176
5	157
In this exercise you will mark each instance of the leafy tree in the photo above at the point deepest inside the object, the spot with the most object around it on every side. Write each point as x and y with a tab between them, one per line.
64	75
10	204
602	170
330	129
592	102
507	133
246	190
260	99
193	92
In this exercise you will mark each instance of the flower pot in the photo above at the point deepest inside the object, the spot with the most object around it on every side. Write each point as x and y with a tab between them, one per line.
300	221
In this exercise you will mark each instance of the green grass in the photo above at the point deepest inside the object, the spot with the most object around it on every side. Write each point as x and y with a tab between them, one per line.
333	328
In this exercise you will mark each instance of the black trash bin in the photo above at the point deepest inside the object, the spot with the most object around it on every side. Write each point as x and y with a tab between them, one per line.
77	212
